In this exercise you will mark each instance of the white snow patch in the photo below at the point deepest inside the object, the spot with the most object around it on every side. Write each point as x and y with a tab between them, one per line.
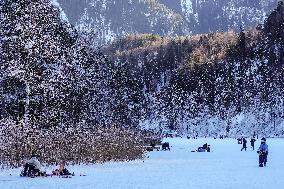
63	16
186	6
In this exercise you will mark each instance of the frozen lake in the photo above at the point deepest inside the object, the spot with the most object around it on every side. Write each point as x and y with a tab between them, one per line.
226	167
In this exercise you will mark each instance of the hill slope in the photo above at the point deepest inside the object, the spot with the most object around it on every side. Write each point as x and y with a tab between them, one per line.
113	18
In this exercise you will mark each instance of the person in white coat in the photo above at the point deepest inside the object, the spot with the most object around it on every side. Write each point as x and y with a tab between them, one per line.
33	167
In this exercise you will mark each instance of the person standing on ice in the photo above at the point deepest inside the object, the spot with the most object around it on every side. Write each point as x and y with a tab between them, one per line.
263	152
244	144
252	141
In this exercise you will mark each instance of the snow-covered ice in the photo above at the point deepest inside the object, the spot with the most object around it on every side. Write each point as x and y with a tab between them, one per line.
226	167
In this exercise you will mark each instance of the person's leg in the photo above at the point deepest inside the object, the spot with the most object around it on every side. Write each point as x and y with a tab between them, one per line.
265	159
66	172
55	172
26	168
36	172
260	160
31	170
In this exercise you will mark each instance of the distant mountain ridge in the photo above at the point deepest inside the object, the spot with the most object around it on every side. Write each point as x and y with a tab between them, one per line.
111	19
115	18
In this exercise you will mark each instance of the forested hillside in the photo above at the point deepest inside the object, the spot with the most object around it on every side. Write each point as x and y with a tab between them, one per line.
213	83
58	92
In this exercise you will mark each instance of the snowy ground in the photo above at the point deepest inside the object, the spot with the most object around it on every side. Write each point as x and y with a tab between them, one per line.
226	167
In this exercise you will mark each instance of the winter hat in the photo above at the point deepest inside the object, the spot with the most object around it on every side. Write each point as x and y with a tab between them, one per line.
263	140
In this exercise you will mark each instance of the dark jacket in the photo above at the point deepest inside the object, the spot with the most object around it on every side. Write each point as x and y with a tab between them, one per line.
252	141
244	142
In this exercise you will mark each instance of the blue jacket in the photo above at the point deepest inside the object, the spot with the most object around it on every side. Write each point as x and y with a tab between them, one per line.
263	148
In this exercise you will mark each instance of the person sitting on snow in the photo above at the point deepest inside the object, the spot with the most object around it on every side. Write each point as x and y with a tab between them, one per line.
208	148
204	148
61	170
33	168
263	152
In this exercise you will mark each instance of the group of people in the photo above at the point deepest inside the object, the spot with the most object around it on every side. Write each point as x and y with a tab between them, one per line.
244	142
204	148
262	150
33	168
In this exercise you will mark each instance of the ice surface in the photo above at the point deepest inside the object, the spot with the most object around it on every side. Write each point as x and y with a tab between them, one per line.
226	167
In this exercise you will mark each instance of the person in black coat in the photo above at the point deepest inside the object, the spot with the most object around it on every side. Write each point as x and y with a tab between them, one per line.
33	168
252	141
244	144
205	146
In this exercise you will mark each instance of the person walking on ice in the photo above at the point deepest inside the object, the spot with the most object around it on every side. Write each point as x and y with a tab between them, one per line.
263	152
252	141
244	144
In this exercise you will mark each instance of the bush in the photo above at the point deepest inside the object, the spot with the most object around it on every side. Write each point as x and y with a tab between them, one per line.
72	145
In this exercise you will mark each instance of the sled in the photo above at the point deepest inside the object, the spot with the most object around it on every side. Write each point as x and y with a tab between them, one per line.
33	175
65	176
